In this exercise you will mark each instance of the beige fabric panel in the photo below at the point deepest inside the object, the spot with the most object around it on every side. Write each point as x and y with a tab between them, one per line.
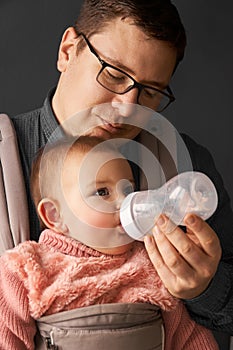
14	223
106	326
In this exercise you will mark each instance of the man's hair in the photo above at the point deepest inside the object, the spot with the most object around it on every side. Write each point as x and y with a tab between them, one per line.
156	18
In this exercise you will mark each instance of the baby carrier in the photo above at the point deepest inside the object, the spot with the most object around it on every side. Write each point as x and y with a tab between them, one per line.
14	227
106	326
103	327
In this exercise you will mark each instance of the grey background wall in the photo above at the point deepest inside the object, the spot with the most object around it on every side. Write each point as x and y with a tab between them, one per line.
203	82
30	32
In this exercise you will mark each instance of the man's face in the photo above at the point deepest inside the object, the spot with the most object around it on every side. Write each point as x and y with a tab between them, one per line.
122	44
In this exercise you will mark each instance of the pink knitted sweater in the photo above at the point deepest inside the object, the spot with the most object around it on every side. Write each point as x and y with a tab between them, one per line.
59	274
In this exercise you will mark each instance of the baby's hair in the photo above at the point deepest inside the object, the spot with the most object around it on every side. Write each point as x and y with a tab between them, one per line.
49	160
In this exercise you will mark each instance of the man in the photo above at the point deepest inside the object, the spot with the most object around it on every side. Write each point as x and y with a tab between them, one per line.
126	52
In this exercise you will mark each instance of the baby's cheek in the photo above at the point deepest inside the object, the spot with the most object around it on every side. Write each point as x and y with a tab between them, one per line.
100	219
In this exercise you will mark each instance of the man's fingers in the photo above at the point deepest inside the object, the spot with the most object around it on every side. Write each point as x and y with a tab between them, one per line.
181	253
187	275
173	255
208	240
207	237
156	258
174	237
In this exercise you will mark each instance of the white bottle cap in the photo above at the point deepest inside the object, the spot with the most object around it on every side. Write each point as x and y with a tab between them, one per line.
127	220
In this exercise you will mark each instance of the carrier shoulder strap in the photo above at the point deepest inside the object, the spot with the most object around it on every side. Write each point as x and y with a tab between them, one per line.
14	223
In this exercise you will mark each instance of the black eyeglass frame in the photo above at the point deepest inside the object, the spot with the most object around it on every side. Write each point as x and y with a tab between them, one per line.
137	85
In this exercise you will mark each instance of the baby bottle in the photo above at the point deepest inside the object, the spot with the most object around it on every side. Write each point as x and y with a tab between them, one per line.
188	192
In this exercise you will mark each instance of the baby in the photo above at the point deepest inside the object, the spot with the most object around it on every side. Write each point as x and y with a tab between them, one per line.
84	257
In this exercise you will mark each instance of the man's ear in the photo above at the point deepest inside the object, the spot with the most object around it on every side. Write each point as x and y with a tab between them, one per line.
67	47
49	212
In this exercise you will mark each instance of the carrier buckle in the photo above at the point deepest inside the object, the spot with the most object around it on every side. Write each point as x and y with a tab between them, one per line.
50	344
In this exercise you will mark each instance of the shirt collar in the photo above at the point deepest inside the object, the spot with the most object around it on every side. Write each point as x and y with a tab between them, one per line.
49	122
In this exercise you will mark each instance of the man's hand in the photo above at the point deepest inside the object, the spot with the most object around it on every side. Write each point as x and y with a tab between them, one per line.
185	262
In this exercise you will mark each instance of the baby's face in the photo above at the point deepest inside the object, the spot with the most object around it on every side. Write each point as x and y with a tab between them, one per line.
94	190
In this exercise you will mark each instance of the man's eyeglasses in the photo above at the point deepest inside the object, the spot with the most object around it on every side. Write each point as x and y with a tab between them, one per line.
120	82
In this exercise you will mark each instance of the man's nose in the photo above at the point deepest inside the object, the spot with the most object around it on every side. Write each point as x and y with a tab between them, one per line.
127	100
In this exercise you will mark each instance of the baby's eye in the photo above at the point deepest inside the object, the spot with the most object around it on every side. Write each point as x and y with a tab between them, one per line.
102	192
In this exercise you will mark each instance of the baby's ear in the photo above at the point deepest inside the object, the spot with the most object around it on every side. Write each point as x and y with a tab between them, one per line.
49	212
